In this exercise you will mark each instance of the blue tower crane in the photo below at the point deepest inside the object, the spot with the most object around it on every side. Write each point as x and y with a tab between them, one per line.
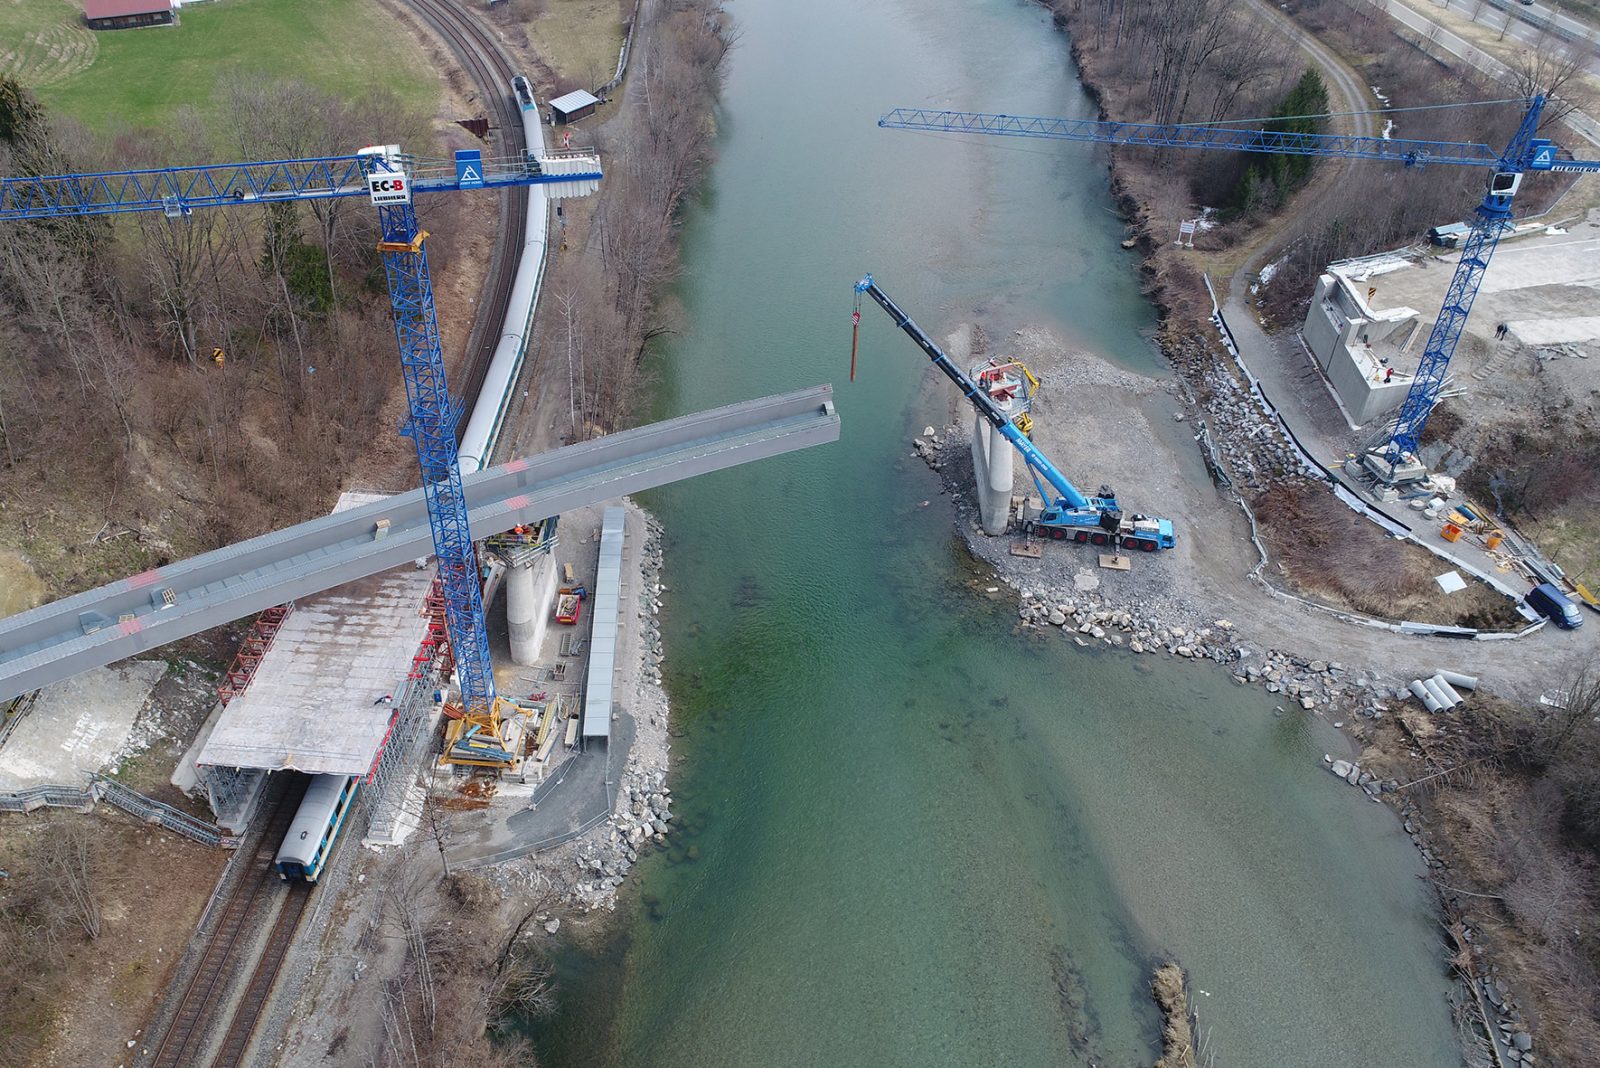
1098	519
1525	152
390	179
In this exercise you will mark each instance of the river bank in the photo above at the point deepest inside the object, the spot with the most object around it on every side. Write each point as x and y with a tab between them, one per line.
1174	612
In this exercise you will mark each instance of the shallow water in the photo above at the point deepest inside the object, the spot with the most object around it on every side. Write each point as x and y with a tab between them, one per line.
908	834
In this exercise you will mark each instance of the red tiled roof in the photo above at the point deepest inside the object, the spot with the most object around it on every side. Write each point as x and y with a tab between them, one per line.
111	9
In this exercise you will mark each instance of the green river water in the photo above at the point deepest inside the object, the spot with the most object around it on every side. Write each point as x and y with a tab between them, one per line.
907	834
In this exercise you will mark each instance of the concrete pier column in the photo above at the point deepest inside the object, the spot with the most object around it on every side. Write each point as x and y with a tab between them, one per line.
530	598
522	610
994	473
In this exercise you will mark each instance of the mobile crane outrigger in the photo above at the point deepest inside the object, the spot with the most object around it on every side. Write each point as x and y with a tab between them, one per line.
1098	520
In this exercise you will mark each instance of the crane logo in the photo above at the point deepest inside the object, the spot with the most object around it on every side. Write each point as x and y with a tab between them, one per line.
389	188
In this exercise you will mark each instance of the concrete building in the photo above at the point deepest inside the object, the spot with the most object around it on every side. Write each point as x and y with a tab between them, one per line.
1537	301
127	14
572	107
1367	355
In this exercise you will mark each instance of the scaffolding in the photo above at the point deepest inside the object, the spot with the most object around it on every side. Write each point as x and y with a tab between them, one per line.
251	651
521	544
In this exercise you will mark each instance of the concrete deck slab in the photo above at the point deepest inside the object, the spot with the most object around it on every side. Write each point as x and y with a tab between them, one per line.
311	704
77	727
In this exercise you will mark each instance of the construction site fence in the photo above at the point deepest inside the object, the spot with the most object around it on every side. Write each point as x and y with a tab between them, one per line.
519	851
148	809
1350	499
525	849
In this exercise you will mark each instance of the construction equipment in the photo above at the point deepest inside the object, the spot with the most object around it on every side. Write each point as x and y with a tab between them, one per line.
1098	520
390	179
569	604
1395	461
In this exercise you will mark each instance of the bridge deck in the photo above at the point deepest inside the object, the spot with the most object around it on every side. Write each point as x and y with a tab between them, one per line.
132	615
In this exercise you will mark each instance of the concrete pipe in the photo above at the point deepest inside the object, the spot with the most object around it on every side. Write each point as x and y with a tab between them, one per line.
1449	691
1458	680
1438	694
1430	702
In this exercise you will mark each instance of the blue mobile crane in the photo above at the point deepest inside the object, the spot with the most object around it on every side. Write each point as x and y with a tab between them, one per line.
1395	461
1098	520
389	178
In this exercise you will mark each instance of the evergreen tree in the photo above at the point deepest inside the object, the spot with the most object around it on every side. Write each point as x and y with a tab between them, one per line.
1279	176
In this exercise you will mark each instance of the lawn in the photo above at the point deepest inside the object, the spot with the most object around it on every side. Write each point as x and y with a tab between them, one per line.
45	41
578	38
138	78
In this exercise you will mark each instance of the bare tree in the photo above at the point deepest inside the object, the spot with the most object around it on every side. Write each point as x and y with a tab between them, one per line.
68	873
1548	68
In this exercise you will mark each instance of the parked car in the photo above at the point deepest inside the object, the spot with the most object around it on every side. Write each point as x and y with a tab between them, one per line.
1554	606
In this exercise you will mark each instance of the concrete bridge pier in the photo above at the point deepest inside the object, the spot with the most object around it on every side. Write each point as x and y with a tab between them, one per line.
992	465
530	592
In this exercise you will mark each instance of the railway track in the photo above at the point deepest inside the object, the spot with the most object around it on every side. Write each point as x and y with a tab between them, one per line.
488	67
242	912
254	1000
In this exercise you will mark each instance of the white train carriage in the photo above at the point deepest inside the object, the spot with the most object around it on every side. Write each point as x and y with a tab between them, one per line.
316	826
505	365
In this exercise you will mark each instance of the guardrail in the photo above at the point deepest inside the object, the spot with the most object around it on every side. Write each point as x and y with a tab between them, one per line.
100	788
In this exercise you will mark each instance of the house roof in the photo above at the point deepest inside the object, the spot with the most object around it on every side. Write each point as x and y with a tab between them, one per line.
111	9
573	101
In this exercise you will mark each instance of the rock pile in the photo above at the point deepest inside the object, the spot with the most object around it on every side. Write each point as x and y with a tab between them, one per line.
929	448
650	604
1356	776
1254	446
1089	617
643	819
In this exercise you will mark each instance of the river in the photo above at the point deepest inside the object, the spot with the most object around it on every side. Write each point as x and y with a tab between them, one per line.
908	834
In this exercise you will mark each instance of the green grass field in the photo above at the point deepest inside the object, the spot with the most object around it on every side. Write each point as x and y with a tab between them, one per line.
579	38
138	78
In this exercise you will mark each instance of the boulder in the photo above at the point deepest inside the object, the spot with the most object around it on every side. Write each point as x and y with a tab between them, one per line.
1341	768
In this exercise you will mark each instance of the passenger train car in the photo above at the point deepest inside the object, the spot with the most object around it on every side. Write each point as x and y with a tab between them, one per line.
316	825
494	399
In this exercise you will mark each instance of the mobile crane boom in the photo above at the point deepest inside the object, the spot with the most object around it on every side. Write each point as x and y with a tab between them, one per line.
1096	519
